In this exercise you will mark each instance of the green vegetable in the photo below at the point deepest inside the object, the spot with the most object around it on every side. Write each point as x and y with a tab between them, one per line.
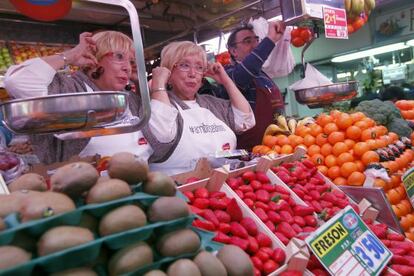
386	114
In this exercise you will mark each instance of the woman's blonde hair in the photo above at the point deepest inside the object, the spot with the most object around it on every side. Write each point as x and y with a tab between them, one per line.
111	41
175	51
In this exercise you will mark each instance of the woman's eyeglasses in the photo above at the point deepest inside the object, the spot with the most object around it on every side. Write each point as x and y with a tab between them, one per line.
249	40
121	58
185	67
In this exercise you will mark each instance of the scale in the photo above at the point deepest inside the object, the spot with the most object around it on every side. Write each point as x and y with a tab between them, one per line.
88	114
310	13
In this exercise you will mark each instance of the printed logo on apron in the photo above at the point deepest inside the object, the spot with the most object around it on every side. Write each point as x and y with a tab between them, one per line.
226	146
142	141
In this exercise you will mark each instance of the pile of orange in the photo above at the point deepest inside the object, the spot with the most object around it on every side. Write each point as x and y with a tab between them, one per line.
406	108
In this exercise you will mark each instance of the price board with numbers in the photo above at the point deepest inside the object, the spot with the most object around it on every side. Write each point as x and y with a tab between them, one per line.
346	246
408	180
335	23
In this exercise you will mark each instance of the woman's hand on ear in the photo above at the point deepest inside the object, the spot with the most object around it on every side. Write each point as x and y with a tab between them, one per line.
160	77
83	54
217	72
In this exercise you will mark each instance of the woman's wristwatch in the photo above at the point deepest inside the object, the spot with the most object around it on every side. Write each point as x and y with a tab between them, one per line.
65	61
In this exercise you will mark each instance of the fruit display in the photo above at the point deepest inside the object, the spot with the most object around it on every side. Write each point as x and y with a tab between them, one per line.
223	215
5	57
357	13
224	58
406	108
48	50
23	51
300	36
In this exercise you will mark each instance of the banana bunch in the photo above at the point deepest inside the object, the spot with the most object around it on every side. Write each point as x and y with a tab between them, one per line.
286	126
355	7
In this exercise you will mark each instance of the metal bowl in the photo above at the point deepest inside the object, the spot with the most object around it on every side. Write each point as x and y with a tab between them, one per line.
64	112
324	95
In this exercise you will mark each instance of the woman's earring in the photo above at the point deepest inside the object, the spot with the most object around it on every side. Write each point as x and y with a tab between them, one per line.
97	74
169	86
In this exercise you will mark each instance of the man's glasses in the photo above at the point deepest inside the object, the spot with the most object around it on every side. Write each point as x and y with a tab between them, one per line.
121	58
185	67
249	40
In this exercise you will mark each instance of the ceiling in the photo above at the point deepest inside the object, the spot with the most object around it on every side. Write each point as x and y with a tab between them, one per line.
164	20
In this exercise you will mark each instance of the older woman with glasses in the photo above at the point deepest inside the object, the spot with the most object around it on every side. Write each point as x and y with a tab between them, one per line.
106	60
186	126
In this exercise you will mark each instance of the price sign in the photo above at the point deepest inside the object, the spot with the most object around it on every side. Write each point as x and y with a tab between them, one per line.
408	180
346	246
335	23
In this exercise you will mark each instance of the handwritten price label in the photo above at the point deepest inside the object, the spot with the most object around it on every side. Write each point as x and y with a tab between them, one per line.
335	23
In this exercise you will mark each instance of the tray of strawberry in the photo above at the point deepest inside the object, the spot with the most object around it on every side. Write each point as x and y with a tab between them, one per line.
313	188
220	212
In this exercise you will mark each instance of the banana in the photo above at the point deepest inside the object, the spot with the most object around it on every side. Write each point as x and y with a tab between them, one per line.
369	5
305	122
348	4
292	125
281	121
357	6
273	129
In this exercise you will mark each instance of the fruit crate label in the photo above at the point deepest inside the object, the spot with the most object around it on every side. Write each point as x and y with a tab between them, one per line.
335	23
408	181
346	246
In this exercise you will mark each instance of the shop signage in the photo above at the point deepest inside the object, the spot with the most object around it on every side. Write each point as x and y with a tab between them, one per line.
408	180
335	23
346	246
395	24
43	10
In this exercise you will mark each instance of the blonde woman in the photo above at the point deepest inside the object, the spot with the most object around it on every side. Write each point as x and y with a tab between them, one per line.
186	126
106	59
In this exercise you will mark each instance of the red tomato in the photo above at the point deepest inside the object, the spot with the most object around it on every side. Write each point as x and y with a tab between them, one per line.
295	33
358	23
350	29
297	42
305	34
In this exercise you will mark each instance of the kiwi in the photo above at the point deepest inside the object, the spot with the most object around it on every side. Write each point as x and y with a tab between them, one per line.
128	167
209	265
12	203
121	219
79	271
45	204
178	242
155	273
160	184
167	208
12	256
183	267
236	261
130	258
29	181
90	222
62	237
74	179
108	190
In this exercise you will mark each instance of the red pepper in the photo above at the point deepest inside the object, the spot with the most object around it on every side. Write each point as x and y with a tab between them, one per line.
262	177
218	204
210	216
261	214
262	195
242	243
287	230
300	210
204	224
234	210
238	230
253	245
189	195
201	193
222	216
201	203
256	185
250	225
221	237
248	176
263	240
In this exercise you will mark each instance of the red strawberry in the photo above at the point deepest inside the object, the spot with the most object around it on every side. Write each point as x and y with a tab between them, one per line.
222	216
201	203
221	237
263	240
238	230
253	245
201	193
234	210
189	195
257	263
204	224
248	176
269	266
224	227
242	243
250	225
279	255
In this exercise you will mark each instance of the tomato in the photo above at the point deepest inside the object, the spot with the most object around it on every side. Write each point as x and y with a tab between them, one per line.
350	29
358	23
295	33
305	34
297	42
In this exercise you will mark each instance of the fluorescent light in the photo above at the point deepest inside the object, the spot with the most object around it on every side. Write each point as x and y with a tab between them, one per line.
371	52
410	42
343	75
279	17
212	45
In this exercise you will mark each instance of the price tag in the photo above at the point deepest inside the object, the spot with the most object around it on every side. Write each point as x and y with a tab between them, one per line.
346	246
335	23
408	181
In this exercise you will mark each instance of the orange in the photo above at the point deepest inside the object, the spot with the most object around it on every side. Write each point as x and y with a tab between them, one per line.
334	172
335	114
357	116
372	144
276	148
329	128
353	132
386	139
367	134
269	140
409	236
344	157
323	169
335	137
395	180
309	140
330	161
339	148
302	131
405	223
394	136
370	157
324	119
340	181
393	196
315	129
360	148
369	122
326	149
317	159
348	168
361	124
360	165
356	179
282	140
397	211
264	150
380	183
382	130
314	149
379	143
256	149
350	143
321	139
344	121
286	149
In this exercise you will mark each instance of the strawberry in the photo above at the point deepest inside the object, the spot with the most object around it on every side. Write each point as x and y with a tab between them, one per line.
263	240
279	255
238	230
286	216
218	203
257	262
282	238
201	203
262	177
269	266
310	220
189	195
234	210
249	225
242	243
401	260
233	183
261	214
253	245
299	221
204	224
210	216
248	176
239	193
297	228
246	189
395	237
224	227
291	273
222	216
269	188
270	225
256	185
217	194
300	210
201	193
249	202
221	237
191	180
286	229
263	196
262	205
262	255
274	217
250	195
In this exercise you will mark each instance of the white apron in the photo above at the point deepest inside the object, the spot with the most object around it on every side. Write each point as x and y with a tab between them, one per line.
203	135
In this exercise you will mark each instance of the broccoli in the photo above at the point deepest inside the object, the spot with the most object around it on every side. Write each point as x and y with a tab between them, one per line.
386	114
